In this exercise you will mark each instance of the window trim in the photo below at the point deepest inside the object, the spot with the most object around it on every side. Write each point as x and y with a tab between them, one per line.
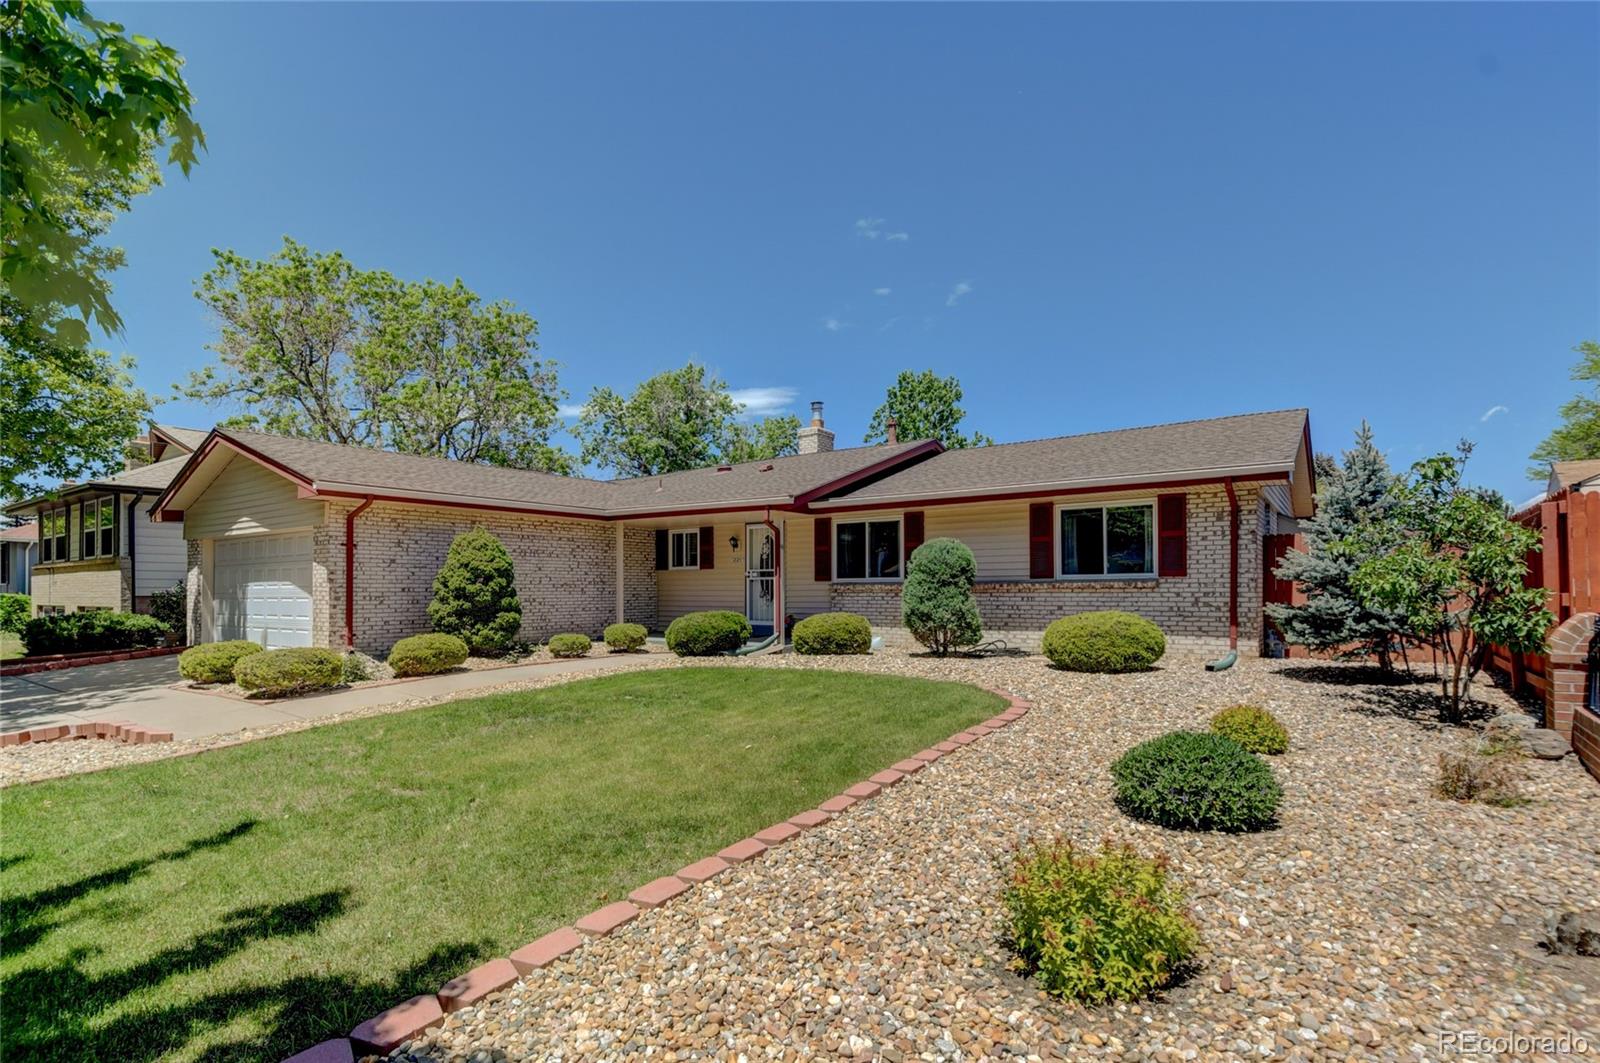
1116	503
900	539
686	533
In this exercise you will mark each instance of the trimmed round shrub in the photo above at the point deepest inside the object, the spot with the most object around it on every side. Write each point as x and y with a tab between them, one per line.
621	638
937	602
212	662
1103	642
281	673
475	594
707	634
1096	926
1254	728
1192	781
426	654
833	633
569	645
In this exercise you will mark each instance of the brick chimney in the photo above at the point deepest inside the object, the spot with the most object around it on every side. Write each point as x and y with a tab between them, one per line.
815	439
894	431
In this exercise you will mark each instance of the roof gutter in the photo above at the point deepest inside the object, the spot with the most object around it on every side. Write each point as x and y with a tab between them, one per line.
1062	487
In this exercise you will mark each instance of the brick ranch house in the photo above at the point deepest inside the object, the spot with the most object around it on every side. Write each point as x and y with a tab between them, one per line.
94	546
294	543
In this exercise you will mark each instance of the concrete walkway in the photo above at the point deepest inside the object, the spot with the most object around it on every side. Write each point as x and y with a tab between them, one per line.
141	691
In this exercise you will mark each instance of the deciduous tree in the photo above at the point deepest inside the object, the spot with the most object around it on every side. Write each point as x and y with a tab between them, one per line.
924	406
1578	437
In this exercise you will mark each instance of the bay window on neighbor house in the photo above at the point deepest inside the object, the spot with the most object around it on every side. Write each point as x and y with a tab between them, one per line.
685	549
1108	540
53	535
867	549
98	519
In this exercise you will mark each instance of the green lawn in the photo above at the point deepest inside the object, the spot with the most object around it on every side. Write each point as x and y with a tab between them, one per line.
248	902
10	645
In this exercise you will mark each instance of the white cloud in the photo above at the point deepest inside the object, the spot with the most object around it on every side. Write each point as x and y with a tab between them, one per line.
759	402
567	409
1493	410
882	291
887	325
898	236
873	229
833	324
961	288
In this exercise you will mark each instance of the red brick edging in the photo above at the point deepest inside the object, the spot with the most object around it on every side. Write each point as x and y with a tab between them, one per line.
57	662
390	1029
121	730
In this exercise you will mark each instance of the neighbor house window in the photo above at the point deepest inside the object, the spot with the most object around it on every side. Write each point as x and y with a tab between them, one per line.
685	549
5	563
1117	540
867	549
53	535
99	525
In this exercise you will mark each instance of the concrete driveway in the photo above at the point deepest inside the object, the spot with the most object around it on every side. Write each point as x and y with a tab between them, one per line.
141	692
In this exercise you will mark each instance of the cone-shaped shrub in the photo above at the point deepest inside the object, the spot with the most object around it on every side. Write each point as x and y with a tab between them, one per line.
475	594
937	603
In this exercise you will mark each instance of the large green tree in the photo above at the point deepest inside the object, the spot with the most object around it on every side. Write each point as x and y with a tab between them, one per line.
1334	616
1578	438
680	419
924	406
85	110
310	345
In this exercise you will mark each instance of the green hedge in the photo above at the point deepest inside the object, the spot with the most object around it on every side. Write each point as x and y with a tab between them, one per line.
622	638
833	633
1253	728
15	609
281	673
1190	781
98	629
707	634
569	645
1103	642
426	654
1096	926
212	662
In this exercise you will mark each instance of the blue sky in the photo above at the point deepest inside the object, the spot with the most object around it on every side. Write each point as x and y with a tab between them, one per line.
1095	216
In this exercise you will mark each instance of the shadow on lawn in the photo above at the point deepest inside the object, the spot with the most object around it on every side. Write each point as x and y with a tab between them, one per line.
1402	695
57	1011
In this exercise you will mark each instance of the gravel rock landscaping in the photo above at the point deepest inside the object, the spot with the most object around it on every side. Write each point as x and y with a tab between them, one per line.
1373	919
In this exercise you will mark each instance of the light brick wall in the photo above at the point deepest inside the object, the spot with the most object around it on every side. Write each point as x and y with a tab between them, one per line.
83	584
565	571
1192	610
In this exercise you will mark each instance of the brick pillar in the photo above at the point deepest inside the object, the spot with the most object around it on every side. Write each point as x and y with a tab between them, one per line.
1569	672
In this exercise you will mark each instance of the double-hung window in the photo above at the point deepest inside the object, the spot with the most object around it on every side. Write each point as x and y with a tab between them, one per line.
1111	540
685	549
53	535
99	524
867	549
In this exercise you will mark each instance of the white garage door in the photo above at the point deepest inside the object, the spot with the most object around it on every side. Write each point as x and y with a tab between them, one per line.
264	589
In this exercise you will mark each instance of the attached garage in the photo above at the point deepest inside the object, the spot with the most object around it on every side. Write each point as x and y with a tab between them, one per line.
263	589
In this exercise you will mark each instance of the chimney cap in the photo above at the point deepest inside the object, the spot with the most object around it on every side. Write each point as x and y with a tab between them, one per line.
816	412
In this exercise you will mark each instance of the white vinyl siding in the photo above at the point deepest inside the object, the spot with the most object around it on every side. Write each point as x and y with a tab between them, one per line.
160	560
247	499
682	591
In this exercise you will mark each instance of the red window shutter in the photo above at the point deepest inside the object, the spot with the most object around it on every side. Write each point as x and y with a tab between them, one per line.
661	549
1041	541
822	549
912	533
708	548
1172	521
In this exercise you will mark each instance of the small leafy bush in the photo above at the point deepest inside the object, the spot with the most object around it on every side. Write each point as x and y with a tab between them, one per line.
1107	641
475	594
937	602
623	638
569	645
426	654
1191	781
355	669
833	633
1480	775
15	609
706	634
212	662
1254	728
98	629
1096	926
171	607
281	673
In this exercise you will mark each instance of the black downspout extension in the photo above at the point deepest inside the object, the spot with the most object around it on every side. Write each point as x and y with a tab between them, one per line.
133	559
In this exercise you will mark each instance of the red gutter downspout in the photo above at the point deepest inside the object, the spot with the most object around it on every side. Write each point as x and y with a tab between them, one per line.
777	577
1233	565
350	574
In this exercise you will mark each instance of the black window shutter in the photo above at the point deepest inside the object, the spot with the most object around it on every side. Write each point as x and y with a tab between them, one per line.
661	549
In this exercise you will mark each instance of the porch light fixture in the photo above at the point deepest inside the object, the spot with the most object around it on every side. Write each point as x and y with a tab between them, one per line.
733	543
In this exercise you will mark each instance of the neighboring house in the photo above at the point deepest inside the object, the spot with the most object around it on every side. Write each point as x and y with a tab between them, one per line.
1574	475
294	543
17	545
94	544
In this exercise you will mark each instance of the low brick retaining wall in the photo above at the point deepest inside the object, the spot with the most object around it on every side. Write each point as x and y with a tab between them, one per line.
58	661
390	1029
121	731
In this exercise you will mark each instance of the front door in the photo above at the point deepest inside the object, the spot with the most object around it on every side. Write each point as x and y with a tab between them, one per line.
759	573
